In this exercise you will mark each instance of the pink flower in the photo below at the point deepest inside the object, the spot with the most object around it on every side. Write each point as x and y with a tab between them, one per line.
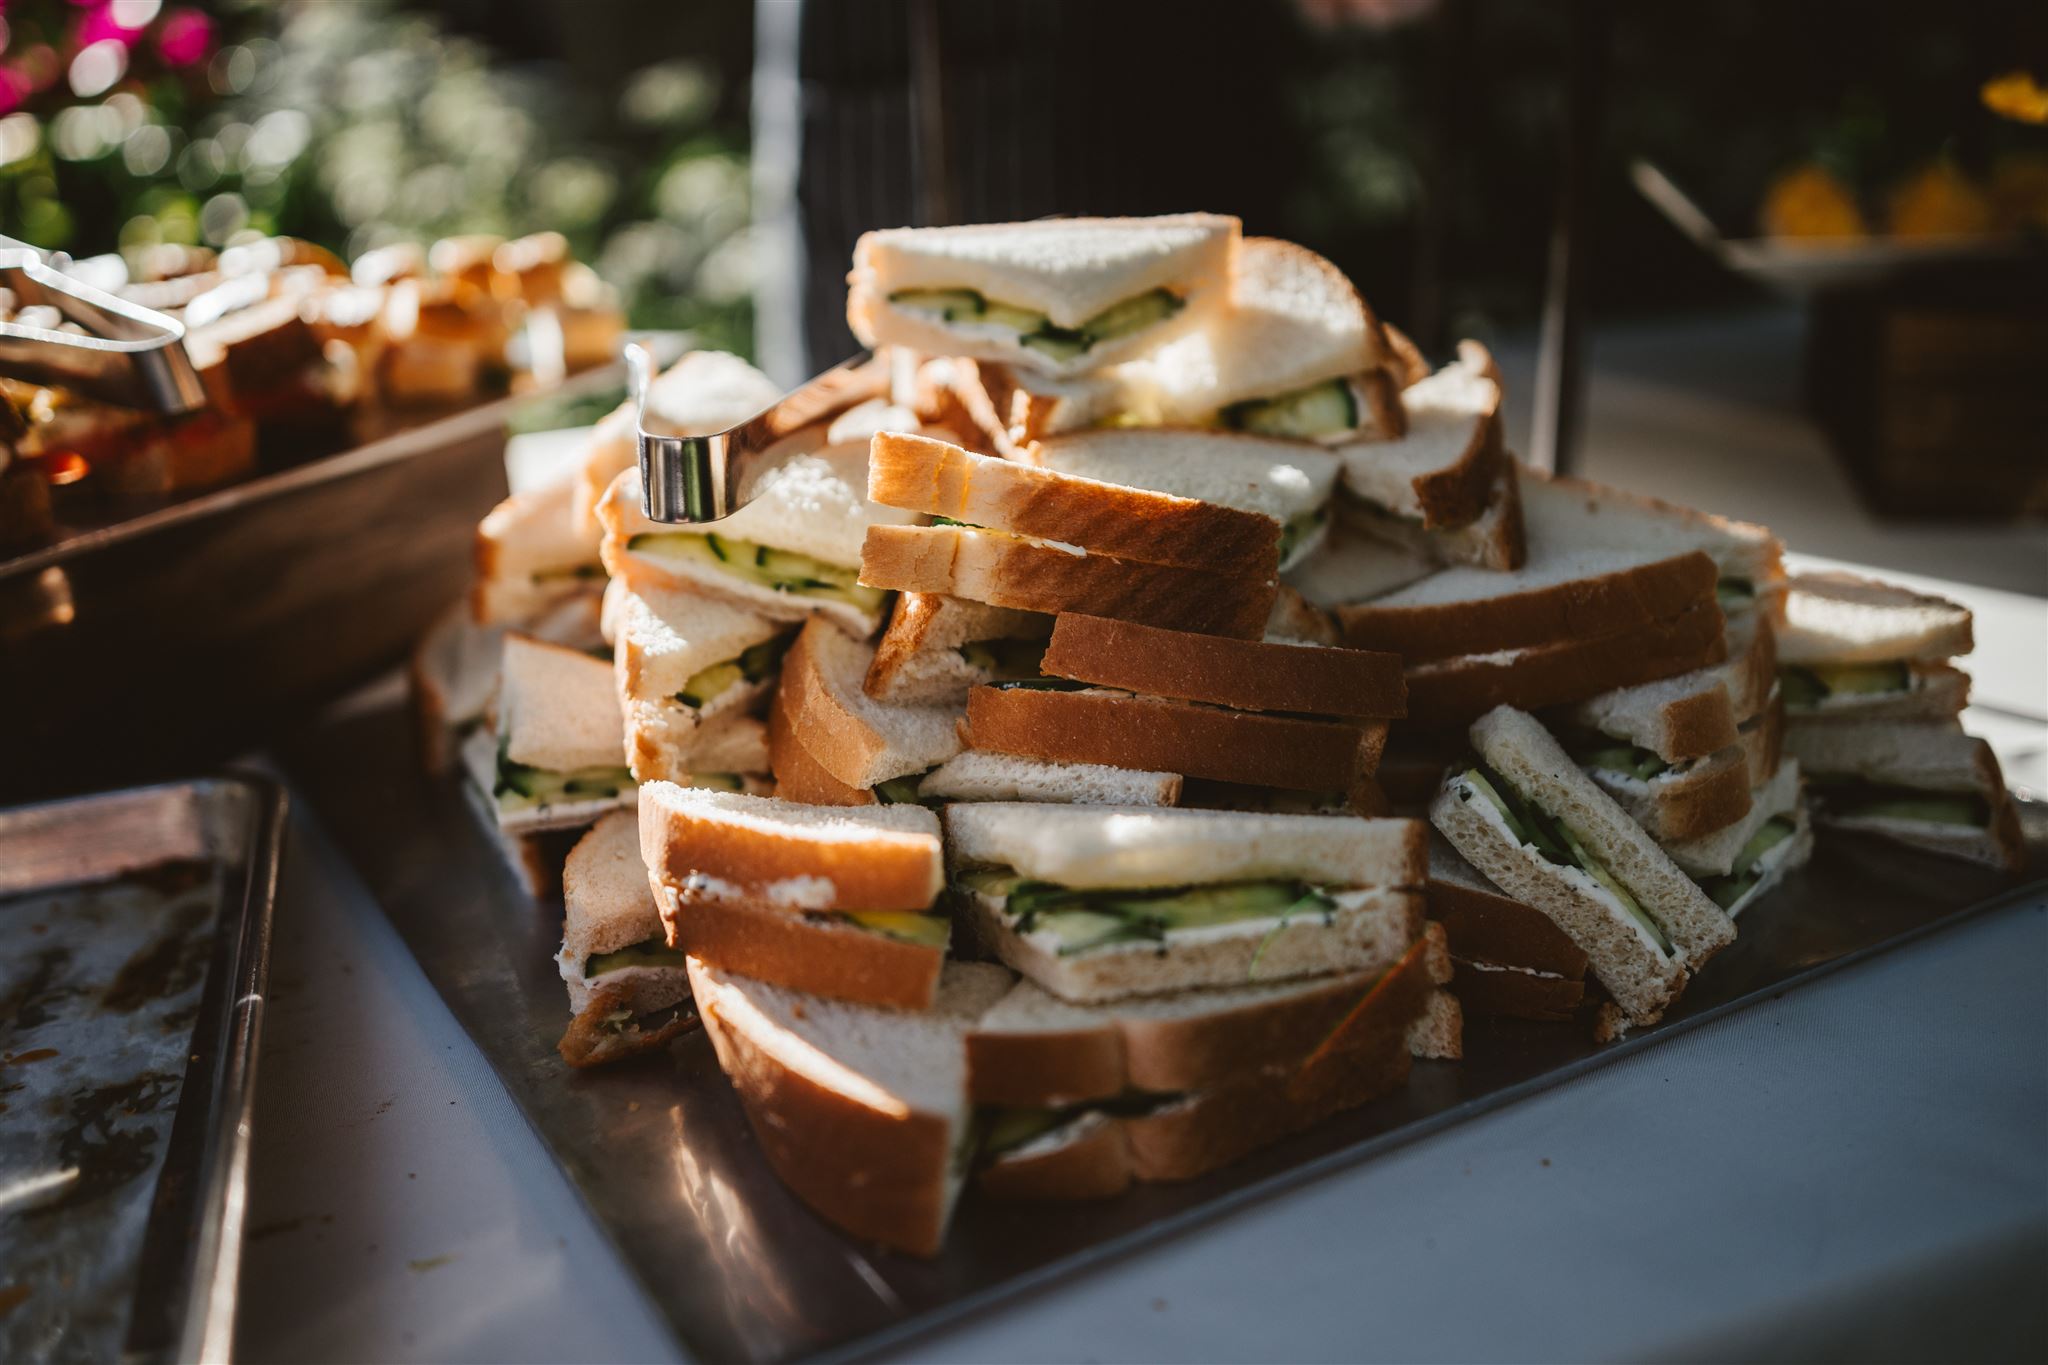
186	37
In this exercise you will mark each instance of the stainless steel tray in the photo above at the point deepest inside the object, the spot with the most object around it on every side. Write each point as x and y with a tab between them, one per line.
138	933
662	1154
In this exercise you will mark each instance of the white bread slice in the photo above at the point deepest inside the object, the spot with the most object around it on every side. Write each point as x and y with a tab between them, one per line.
1070	269
1289	481
1013	407
1495	539
1293	320
795	857
1933	758
557	708
1515	744
1439	1034
664	638
839	957
1697	713
1781	860
936	477
730	744
1687	801
1642	980
1596	565
1001	777
1367	931
530	555
665	743
1125	847
1034	1049
607	906
1839	618
1934	692
703	393
1440	471
1043	576
1713	854
480	765
1352	566
858	740
452	673
1620	519
809	502
862	1112
919	658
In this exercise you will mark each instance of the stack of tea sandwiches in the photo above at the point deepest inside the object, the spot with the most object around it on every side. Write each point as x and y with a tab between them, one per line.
1126	739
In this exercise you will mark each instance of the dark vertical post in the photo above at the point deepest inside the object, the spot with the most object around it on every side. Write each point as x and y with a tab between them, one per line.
1560	359
930	173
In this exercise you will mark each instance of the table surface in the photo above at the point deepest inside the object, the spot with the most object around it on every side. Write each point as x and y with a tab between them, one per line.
1852	1169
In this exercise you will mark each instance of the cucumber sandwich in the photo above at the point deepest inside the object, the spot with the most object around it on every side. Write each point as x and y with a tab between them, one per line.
628	990
1098	904
554	760
1544	832
1860	650
1928	786
794	550
1061	296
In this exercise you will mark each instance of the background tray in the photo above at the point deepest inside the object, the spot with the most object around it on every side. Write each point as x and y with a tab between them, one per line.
661	1152
138	924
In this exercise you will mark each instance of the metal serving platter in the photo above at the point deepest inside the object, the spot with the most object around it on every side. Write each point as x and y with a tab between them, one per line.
131	1005
660	1149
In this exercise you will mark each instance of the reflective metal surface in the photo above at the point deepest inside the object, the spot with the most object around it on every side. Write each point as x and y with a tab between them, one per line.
705	478
662	1153
138	928
127	354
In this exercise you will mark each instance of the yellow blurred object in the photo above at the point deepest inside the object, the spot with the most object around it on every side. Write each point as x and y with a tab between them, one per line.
1939	201
1806	201
2019	190
2016	95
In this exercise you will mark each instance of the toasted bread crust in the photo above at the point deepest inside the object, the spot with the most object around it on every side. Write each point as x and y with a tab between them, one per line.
838	741
1571	672
1167	736
1763	743
1457	494
1596	606
798	776
1517	995
1404	359
1488	927
1753	676
1711	797
890	871
881	1176
1246	674
1030	576
1042	1067
925	475
772	945
1095	1166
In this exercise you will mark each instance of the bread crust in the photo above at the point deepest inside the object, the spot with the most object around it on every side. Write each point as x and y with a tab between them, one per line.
1006	571
1177	737
891	871
879	1175
1593	607
1763	741
838	741
798	776
772	945
1517	995
1712	795
923	624
1484	926
1455	692
1404	359
1246	674
925	475
1096	1165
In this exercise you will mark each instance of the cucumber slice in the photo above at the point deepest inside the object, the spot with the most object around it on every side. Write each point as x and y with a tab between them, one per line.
1732	593
1122	319
898	791
926	931
1325	409
1727	891
1020	320
1773	832
522	787
763	565
1078	931
1933	810
651	952
950	305
1626	759
1803	688
758	661
1004	660
990	881
1057	343
1864	679
1295	533
709	684
1011	1128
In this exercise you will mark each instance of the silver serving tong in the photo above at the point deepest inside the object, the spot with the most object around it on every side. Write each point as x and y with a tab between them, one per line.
126	354
698	478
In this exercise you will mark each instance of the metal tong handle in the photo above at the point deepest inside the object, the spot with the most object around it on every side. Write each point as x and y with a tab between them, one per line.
687	479
128	355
